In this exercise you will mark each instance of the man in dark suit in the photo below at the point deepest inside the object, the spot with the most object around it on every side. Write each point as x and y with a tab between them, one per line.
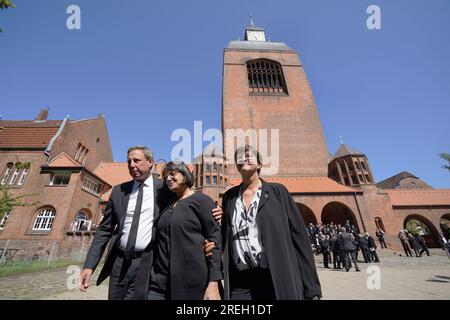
380	235
349	246
334	247
364	246
423	244
372	247
127	225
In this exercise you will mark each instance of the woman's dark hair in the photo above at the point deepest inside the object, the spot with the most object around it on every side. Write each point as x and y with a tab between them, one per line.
240	152
181	167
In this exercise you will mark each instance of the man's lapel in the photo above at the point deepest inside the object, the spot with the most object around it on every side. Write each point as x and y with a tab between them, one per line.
125	199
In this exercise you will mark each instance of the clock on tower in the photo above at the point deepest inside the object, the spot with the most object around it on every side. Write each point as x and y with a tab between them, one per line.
253	33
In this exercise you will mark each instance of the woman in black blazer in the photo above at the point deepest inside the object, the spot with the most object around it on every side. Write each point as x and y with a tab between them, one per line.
180	269
267	251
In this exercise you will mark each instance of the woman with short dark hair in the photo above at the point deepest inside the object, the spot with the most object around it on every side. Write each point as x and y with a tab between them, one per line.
180	269
267	252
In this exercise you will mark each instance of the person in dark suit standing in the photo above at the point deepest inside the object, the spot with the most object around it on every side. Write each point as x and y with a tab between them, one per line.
127	226
325	248
414	244
404	241
423	244
380	235
282	265
349	245
372	247
364	246
334	247
178	269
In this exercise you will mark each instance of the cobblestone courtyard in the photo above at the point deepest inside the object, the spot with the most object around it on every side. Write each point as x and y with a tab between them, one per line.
401	277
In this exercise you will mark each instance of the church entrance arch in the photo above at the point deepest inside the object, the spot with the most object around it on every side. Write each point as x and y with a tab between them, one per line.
307	214
418	224
338	213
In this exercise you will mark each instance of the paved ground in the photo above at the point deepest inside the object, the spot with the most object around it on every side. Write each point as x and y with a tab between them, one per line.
400	278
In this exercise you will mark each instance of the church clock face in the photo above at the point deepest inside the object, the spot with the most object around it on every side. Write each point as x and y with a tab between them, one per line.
256	36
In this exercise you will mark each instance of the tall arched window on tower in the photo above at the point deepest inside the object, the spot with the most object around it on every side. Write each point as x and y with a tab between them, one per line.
266	76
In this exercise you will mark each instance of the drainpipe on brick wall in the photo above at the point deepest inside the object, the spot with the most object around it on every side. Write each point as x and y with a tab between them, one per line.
50	145
359	211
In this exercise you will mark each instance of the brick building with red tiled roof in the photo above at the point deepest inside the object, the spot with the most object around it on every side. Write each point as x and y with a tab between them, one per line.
69	164
265	87
54	162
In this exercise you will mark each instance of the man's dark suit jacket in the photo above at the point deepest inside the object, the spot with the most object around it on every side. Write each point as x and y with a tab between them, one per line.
111	226
348	242
371	242
285	240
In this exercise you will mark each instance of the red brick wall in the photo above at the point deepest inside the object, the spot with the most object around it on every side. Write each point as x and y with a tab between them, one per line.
85	132
303	151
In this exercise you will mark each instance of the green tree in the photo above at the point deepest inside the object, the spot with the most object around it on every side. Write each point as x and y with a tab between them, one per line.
7	202
5	4
445	156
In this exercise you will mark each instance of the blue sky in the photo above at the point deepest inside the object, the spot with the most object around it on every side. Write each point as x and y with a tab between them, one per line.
154	66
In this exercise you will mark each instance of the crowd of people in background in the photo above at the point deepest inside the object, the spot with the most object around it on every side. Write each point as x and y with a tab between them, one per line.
340	245
418	243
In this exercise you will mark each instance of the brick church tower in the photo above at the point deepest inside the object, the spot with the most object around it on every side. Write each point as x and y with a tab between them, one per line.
265	87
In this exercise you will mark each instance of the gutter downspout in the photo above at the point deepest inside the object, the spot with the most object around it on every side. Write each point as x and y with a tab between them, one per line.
50	145
359	211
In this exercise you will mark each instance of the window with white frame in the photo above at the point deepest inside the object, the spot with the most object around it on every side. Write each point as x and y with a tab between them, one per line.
90	186
14	176
3	220
61	178
81	222
77	152
83	155
44	220
7	174
23	176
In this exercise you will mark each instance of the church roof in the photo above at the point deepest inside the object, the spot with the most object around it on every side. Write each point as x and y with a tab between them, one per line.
345	150
114	173
307	185
394	181
420	197
258	45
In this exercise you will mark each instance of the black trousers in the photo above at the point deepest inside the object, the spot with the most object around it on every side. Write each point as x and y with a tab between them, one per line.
252	284
382	243
406	248
337	260
366	255
424	248
374	256
123	278
326	257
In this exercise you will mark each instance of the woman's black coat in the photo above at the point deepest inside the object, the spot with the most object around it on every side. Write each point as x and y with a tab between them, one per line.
285	239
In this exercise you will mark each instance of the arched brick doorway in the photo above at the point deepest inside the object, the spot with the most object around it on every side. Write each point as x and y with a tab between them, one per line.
431	235
338	213
445	225
307	214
